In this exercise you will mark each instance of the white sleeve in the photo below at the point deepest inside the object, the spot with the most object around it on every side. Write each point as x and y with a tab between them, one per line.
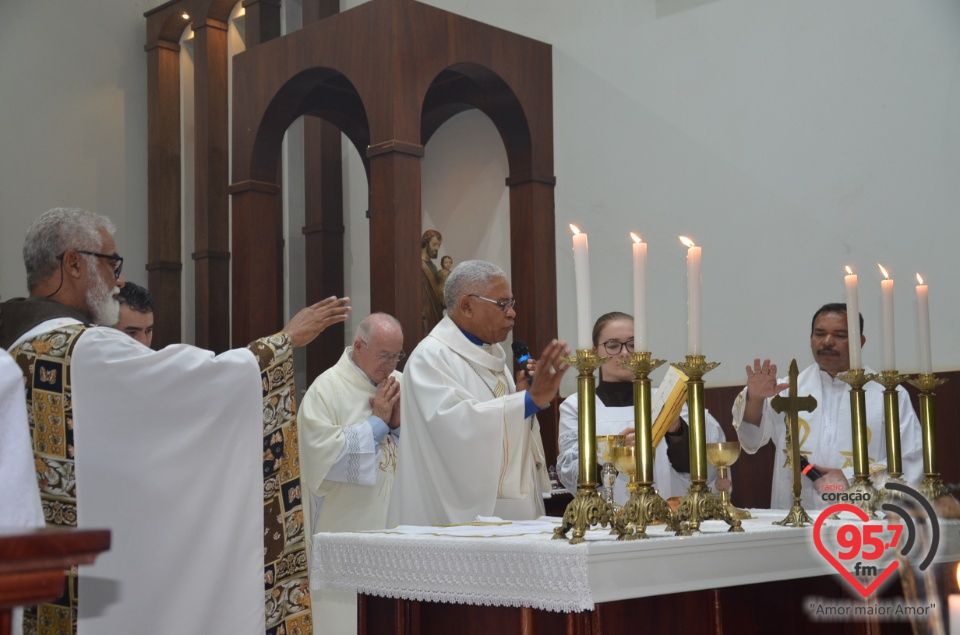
753	437
357	462
568	459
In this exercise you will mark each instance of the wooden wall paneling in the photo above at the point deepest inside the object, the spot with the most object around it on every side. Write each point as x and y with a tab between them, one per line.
262	21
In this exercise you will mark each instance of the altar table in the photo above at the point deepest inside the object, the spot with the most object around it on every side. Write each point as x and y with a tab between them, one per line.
440	578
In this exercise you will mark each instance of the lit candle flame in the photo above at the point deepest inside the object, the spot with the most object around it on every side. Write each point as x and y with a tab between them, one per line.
185	15
849	270
886	276
636	237
919	279
687	242
574	229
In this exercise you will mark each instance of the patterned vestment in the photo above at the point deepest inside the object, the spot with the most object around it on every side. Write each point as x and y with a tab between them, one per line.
45	362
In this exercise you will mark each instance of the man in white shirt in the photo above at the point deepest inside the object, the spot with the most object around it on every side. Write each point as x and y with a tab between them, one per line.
471	445
825	434
349	425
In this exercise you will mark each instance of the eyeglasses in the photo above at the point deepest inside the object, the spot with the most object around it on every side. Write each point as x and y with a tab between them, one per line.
387	357
613	347
117	260
504	305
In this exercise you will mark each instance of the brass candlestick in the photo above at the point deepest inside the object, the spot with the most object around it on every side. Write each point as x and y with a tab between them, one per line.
869	498
645	504
699	503
791	405
931	486
587	507
890	379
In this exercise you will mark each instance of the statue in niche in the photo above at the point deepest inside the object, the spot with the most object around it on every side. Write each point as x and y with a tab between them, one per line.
431	289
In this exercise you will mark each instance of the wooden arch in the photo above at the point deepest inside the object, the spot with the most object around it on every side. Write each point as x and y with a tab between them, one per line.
389	73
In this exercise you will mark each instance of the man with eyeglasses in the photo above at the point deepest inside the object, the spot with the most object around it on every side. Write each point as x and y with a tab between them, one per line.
471	442
349	426
183	454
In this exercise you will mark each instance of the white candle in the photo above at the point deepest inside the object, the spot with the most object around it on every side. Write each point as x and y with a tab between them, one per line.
581	267
886	321
639	294
953	602
923	313
694	283
853	319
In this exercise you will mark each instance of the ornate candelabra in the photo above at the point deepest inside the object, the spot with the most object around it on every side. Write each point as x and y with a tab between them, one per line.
931	486
890	379
862	492
645	504
587	507
699	503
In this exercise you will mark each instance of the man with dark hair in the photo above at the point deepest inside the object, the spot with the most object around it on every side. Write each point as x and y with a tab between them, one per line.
826	433
136	313
183	454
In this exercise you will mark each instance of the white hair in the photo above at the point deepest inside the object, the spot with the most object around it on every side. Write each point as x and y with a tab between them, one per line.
374	322
469	277
55	232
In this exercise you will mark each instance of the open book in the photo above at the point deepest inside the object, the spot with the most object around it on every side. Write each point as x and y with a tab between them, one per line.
668	402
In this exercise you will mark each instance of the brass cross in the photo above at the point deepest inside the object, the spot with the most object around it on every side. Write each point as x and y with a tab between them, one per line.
791	405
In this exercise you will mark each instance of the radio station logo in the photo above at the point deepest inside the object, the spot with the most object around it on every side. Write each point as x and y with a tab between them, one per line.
864	552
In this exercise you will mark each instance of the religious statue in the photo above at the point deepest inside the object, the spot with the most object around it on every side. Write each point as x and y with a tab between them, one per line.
446	266
431	291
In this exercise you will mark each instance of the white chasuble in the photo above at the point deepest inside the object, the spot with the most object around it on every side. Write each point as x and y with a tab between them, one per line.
467	452
19	495
346	476
171	456
826	437
611	420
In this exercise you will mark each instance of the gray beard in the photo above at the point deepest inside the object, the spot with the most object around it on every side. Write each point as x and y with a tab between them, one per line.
103	303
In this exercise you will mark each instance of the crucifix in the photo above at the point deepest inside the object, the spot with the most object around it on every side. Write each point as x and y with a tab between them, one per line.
791	405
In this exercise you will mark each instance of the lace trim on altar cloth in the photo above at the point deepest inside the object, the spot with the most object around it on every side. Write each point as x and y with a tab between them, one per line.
460	570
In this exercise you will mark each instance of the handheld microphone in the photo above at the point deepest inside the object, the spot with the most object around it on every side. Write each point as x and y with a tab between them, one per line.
808	470
522	354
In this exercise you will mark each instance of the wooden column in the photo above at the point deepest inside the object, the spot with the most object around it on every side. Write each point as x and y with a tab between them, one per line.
211	209
323	223
164	262
257	250
262	21
395	233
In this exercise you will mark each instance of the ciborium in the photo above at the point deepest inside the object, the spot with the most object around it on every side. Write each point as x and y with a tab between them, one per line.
722	455
623	455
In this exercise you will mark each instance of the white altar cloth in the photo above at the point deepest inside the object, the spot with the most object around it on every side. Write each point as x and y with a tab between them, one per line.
517	563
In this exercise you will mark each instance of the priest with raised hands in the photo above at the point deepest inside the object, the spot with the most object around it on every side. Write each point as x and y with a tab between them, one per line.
471	442
184	455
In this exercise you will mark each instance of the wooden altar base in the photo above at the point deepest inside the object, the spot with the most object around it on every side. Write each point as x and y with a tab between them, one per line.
769	607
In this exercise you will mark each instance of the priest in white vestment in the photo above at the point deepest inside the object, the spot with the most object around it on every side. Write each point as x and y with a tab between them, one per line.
825	434
171	450
349	426
471	443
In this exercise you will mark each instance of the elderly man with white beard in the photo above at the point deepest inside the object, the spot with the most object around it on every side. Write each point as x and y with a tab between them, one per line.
182	454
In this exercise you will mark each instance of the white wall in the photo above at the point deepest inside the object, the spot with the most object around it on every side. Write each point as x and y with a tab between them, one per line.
787	138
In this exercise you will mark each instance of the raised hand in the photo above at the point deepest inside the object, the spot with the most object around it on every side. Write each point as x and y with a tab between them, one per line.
762	380
550	371
310	321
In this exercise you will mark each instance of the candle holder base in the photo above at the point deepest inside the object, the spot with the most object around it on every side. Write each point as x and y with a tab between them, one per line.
797	516
644	508
700	504
585	510
864	495
932	487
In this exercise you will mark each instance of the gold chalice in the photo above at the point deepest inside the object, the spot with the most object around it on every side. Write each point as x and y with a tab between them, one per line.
624	457
721	456
608	473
